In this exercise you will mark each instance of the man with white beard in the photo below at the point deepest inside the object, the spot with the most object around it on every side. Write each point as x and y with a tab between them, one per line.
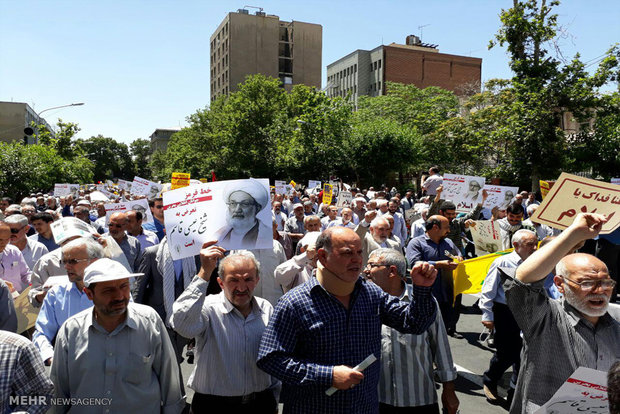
562	335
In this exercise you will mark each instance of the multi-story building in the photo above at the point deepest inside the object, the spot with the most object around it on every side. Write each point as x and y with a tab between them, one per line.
15	117
365	72
160	138
246	44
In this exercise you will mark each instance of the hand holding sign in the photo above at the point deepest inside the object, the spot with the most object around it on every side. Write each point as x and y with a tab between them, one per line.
209	255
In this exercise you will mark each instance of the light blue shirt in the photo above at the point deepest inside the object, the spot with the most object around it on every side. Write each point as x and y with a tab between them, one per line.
492	290
60	303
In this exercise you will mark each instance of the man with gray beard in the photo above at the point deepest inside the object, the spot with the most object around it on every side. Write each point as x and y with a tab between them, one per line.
562	335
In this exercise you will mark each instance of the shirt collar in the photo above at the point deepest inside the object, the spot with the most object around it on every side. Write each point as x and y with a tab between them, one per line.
130	321
229	307
574	316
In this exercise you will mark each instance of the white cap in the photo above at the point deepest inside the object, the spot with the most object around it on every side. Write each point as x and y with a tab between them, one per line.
83	203
309	239
106	270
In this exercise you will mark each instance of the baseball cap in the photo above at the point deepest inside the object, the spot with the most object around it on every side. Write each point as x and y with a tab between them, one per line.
83	203
106	270
297	205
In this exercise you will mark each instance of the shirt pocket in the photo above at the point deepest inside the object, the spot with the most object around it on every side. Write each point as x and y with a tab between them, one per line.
138	368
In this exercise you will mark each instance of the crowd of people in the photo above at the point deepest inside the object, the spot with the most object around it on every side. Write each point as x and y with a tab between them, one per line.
283	325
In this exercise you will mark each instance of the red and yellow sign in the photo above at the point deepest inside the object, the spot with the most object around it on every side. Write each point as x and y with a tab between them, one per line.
179	180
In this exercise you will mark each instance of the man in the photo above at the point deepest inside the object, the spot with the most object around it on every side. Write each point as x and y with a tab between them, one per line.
308	208
511	223
278	215
432	247
332	214
408	201
12	209
116	350
134	228
102	219
408	382
294	225
433	181
331	323
31	249
377	237
299	268
400	226
284	239
418	227
23	376
130	246
13	269
65	300
561	336
29	210
312	223
542	230
157	226
496	315
8	317
227	328
345	220
5	202
42	225
243	229
448	210
83	213
360	209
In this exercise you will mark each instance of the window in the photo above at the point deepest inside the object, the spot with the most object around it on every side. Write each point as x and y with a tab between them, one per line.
379	64
355	68
371	66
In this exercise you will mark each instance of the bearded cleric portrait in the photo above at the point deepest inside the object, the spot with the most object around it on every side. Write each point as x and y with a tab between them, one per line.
244	229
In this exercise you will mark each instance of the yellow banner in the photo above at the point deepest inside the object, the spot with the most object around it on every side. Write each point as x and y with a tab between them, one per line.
470	274
327	193
204	180
26	313
545	186
293	184
179	180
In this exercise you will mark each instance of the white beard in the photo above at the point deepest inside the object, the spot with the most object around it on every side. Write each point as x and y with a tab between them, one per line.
583	306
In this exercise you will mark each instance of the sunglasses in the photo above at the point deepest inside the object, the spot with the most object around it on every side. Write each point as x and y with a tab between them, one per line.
72	262
15	231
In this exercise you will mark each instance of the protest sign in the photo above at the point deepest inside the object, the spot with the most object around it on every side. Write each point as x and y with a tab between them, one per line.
124	185
327	193
313	184
68	227
25	312
585	391
140	186
615	181
344	199
335	187
499	196
545	186
141	205
179	180
293	184
61	190
280	186
236	213
470	274
99	195
204	180
486	237
463	190
109	183
572	195
412	215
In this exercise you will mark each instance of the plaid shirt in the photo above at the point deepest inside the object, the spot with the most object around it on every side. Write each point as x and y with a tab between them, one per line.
311	331
23	375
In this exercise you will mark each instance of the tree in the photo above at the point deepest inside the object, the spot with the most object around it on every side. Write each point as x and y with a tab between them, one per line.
111	158
61	141
141	156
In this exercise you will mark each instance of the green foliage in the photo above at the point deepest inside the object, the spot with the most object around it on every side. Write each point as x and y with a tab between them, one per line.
141	157
111	158
29	168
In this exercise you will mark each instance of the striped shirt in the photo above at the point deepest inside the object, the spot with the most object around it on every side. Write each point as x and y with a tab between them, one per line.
226	342
557	341
310	332
407	363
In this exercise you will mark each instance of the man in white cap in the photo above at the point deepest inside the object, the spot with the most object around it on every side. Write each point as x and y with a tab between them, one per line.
298	269
243	230
117	352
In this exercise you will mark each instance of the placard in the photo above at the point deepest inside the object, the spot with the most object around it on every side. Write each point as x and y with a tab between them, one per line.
487	238
572	195
545	186
499	196
141	205
179	180
327	193
463	190
344	199
140	186
61	190
236	213
412	215
585	391
280	186
124	185
25	312
313	184
68	227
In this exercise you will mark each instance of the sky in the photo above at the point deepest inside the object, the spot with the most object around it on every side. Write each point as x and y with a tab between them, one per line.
142	65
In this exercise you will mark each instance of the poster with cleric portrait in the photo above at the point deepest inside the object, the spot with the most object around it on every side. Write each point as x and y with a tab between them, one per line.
236	213
465	191
499	196
141	205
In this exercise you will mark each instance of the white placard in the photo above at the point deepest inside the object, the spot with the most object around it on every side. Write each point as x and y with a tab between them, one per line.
61	190
500	196
141	205
463	190
487	238
140	186
124	185
68	227
585	391
200	213
412	215
344	199
313	184
280	187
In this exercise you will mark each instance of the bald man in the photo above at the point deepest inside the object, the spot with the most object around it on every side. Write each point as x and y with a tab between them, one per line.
118	225
560	336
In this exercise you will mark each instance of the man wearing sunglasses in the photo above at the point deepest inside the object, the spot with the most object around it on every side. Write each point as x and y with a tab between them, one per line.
66	299
560	336
31	249
13	267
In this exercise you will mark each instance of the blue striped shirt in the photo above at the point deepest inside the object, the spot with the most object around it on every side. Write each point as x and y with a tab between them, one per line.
311	331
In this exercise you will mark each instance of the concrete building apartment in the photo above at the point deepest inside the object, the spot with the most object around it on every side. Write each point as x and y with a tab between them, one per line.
161	137
246	44
14	118
365	72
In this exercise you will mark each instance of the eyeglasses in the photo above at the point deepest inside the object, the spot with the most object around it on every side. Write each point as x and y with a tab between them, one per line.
158	207
591	284
373	265
72	262
243	204
15	231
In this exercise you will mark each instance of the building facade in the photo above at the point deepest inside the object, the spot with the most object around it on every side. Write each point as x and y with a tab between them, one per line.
246	44
365	72
14	118
161	137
